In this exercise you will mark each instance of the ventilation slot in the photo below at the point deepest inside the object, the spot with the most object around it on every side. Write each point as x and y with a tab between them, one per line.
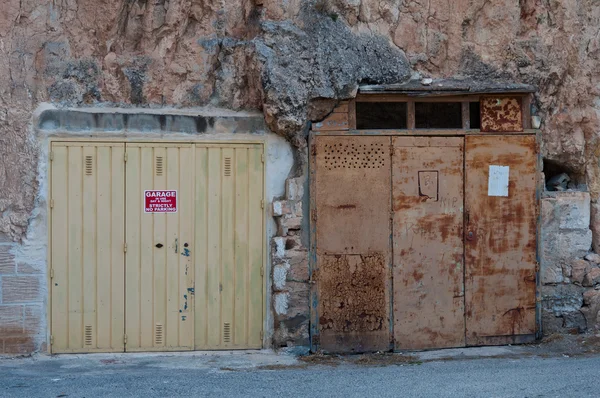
355	156
227	167
226	332
159	165
89	165
88	335
158	334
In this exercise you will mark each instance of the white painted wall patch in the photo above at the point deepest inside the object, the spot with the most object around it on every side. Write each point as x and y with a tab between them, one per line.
498	181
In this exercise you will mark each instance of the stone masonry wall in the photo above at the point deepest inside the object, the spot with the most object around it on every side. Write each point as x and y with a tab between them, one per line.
21	302
570	270
290	273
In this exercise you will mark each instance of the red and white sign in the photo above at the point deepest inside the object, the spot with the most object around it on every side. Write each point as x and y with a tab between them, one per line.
160	201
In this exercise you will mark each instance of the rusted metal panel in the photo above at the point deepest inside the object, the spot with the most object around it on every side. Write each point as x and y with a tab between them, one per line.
353	302
500	238
335	121
501	114
353	204
427	178
353	194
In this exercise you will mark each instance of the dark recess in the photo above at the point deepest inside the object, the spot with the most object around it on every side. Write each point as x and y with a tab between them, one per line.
438	115
380	115
475	115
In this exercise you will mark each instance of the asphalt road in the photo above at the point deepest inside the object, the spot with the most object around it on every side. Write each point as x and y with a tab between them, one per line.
236	376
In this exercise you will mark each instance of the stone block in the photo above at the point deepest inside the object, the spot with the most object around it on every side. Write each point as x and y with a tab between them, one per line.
279	247
562	299
299	271
11	320
142	122
575	322
298	299
20	289
289	222
280	303
281	207
78	121
30	268
593	258
592	277
7	260
591	309
552	273
110	122
32	320
294	188
280	276
573	210
180	124
548	212
17	345
297	209
574	244
578	270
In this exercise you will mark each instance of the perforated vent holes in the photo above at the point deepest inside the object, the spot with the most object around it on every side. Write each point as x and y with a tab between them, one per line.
355	156
158	334
226	332
89	165
159	165
227	167
88	334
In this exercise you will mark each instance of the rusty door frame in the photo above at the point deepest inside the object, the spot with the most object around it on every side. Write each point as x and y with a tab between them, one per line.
47	148
314	338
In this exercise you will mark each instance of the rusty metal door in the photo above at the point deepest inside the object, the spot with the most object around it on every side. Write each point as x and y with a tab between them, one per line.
500	239
427	180
353	204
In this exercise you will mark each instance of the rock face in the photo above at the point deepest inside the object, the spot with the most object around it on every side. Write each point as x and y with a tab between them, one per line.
294	60
282	57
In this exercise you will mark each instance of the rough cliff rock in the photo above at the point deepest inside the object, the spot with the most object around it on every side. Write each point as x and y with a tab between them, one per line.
292	59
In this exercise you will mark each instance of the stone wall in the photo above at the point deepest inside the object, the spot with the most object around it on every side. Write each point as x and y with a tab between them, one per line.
21	302
290	276
570	271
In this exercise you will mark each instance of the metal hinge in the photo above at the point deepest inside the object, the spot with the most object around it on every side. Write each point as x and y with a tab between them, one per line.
51	340
262	335
51	155
392	215
262	271
262	157
124	339
262	204
51	203
51	273
125	157
124	247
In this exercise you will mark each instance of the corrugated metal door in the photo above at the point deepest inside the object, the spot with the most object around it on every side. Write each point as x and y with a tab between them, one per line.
87	237
353	205
427	179
159	278
228	259
500	239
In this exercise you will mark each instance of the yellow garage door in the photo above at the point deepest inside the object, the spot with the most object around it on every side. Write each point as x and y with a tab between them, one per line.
228	249
87	221
159	276
156	246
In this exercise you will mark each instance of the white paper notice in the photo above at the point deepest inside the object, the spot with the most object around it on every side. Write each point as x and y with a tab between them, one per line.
498	181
